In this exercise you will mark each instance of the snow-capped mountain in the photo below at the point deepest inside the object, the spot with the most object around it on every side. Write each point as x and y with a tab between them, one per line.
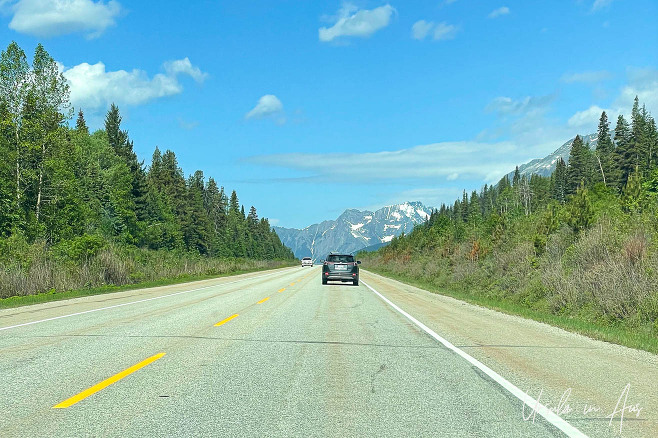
545	166
354	230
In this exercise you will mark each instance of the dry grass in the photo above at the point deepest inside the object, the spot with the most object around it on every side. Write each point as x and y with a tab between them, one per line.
42	272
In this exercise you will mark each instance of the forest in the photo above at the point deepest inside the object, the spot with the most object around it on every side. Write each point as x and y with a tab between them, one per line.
580	245
78	209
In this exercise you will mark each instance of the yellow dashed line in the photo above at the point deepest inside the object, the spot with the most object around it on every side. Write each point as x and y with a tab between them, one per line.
263	300
107	382
224	321
282	289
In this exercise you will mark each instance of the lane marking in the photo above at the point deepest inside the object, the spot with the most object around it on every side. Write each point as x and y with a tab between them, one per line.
542	410
263	300
134	302
292	284
224	321
282	289
107	382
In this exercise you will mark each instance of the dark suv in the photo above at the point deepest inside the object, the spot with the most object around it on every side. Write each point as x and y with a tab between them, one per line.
340	267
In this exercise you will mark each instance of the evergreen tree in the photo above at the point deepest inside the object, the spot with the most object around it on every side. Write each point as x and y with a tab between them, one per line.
80	124
163	229
464	207
624	152
236	228
474	212
517	177
636	152
69	188
197	231
604	151
578	166
116	137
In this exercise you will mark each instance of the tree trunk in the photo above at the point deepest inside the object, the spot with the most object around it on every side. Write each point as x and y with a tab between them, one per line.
18	168
601	167
43	159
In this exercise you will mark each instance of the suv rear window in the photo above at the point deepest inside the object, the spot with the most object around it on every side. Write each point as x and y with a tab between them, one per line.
306	258
340	258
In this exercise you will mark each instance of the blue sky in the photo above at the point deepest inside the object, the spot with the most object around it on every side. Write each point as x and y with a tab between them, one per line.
307	108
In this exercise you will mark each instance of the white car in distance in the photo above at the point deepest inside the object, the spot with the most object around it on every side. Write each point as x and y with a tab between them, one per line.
306	261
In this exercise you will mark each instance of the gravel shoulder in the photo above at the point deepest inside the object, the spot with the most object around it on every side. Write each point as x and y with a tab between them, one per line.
590	376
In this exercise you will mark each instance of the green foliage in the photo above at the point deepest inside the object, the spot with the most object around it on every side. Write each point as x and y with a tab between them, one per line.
580	214
577	244
75	193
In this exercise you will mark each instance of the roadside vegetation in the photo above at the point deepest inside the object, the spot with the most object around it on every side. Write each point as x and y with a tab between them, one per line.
577	249
80	210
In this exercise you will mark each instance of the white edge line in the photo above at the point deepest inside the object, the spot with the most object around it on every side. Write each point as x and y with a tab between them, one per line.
533	404
133	302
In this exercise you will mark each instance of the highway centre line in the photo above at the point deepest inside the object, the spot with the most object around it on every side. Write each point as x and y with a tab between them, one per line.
263	300
107	382
133	302
542	410
224	321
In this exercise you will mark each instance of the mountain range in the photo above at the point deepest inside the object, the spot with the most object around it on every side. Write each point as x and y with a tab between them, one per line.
545	166
355	230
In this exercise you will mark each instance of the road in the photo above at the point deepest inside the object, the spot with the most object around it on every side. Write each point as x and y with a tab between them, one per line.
277	354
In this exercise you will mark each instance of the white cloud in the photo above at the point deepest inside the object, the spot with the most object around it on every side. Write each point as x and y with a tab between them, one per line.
267	106
486	162
600	4
643	83
421	28
530	104
47	18
430	196
503	10
184	66
441	31
359	23
445	31
92	87
588	77
586	118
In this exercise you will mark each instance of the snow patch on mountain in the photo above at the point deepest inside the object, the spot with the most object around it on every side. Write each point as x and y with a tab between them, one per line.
545	166
354	230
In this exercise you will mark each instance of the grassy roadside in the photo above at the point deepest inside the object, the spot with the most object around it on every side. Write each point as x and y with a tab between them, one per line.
26	300
639	338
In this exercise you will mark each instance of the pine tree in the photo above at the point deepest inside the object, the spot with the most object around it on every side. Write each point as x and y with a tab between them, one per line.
464	207
623	152
559	191
578	167
517	177
637	153
198	230
236	227
116	137
80	124
474	213
604	151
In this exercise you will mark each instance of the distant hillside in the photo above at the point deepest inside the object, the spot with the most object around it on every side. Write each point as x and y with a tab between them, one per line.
354	230
545	166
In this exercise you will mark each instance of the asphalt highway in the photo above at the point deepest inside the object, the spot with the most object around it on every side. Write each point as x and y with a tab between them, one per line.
263	354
